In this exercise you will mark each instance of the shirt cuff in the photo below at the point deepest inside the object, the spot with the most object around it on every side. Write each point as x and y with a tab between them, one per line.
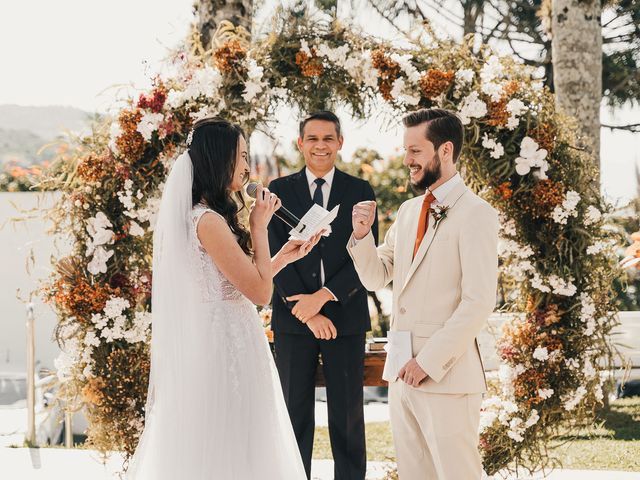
334	299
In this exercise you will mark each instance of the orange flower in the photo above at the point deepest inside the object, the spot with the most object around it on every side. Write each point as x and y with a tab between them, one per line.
76	297
92	391
544	197
93	168
504	190
130	143
229	56
435	82
545	316
511	88
498	114
366	168
389	71
528	384
545	135
310	66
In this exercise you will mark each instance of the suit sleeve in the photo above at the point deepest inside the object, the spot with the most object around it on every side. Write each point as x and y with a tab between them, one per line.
345	283
478	245
288	279
374	266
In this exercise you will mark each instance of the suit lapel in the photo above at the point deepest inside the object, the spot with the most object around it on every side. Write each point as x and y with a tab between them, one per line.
338	187
450	200
302	191
410	230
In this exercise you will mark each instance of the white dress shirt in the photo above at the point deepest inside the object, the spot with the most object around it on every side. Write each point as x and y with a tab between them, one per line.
441	193
326	191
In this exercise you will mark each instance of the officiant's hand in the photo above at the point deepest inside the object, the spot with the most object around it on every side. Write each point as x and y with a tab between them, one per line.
363	216
322	327
308	306
412	374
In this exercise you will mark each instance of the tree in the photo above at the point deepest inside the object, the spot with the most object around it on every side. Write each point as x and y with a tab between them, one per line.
577	65
209	14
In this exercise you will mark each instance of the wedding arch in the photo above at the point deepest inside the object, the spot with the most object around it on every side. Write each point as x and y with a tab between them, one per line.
519	154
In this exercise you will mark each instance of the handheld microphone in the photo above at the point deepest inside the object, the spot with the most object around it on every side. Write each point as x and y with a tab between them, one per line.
282	213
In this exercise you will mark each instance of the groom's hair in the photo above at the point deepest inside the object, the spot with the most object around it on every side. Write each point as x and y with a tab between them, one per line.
442	126
325	115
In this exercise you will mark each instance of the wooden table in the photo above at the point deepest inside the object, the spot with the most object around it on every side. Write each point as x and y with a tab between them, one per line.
373	365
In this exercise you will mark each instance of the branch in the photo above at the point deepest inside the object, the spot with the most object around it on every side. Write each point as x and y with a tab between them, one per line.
627	38
633	127
385	16
457	21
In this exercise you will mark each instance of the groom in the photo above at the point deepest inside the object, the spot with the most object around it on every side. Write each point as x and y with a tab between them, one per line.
319	304
441	254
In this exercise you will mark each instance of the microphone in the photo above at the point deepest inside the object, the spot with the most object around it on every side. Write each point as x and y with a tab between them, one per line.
282	213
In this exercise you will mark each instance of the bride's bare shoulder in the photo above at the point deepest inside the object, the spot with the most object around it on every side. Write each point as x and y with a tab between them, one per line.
212	224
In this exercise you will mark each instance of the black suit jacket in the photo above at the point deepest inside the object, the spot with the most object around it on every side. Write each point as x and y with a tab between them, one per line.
350	314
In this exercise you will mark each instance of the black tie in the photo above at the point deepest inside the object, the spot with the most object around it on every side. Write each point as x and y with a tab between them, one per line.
319	199
317	195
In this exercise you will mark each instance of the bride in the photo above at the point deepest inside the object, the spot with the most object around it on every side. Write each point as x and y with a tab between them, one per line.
215	408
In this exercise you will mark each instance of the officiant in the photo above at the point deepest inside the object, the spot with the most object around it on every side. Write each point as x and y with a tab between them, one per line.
319	305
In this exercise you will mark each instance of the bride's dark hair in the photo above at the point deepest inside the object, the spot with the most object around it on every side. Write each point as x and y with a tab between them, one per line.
213	151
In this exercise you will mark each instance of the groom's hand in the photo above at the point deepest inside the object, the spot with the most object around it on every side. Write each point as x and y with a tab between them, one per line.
322	327
308	306
362	218
412	374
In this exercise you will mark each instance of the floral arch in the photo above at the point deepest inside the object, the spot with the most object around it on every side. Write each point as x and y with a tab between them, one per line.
519	154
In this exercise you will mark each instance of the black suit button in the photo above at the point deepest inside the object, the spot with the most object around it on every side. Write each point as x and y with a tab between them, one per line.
314	274
322	244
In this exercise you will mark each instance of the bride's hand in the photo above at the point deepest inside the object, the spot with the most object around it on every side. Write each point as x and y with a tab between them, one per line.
262	210
294	250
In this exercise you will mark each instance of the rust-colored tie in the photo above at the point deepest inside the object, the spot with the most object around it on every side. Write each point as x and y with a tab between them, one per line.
423	221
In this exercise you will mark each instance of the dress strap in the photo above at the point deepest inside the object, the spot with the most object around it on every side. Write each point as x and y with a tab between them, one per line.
199	210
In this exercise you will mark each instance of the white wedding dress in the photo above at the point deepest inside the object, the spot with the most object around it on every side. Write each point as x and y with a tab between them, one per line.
215	408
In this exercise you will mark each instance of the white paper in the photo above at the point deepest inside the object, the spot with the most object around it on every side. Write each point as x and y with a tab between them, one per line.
316	219
398	349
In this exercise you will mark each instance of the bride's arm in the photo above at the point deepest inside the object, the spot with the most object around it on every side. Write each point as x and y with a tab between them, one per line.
292	251
252	278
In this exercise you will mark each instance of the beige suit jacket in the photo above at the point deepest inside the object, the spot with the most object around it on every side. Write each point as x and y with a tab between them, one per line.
446	293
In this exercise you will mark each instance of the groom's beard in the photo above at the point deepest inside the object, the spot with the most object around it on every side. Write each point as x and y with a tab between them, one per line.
429	175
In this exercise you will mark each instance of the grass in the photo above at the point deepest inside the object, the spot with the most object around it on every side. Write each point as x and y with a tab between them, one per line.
612	444
379	443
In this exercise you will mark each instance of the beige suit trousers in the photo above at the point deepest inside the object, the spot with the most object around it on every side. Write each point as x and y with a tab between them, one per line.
435	435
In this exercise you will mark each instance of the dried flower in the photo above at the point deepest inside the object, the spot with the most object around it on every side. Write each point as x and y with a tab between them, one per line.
154	101
130	143
436	82
230	55
504	190
388	69
310	65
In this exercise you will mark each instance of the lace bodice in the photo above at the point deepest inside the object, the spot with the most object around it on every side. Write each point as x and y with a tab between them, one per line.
214	286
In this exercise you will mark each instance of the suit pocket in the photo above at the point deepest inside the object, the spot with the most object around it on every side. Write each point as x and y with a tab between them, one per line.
425	330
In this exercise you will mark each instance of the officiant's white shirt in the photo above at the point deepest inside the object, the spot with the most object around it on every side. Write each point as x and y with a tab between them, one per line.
326	191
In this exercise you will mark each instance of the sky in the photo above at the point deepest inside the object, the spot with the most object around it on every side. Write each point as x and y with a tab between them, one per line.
86	54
